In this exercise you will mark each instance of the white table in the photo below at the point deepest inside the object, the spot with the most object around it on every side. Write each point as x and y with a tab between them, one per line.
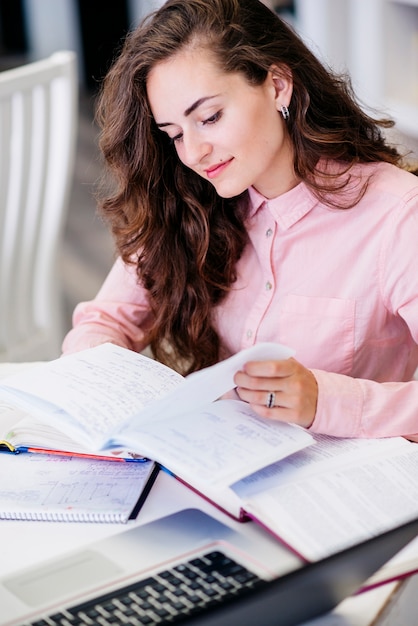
25	544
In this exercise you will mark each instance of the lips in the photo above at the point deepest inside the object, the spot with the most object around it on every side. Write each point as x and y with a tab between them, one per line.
216	170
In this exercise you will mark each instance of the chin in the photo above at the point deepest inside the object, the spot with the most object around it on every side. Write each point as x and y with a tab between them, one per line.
225	191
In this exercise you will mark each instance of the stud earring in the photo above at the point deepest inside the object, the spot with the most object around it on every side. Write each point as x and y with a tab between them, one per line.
285	112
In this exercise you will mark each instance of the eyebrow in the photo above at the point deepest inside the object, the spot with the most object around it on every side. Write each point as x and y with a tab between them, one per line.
189	110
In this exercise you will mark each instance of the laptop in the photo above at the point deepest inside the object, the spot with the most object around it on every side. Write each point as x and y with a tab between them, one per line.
189	568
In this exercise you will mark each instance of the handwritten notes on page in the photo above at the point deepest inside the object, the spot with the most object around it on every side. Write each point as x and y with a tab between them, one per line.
55	488
97	393
221	444
93	390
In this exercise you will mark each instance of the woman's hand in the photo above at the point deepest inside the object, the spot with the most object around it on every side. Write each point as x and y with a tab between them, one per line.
282	390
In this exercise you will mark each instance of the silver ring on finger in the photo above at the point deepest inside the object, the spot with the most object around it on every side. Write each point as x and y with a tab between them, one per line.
271	399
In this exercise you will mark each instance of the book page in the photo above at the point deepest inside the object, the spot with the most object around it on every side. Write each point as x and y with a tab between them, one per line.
207	385
43	487
28	434
88	393
9	416
333	509
326	455
219	445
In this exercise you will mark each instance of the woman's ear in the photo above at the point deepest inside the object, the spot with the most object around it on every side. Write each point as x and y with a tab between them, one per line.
282	82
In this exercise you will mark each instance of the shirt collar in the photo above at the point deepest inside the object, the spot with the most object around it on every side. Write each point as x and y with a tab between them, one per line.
288	208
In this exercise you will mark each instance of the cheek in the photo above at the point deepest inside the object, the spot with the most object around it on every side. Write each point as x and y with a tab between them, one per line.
264	129
235	131
272	136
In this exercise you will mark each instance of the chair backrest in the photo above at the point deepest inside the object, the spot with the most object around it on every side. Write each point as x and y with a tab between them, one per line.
38	122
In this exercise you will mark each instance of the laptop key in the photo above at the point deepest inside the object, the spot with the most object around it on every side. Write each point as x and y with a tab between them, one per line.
186	589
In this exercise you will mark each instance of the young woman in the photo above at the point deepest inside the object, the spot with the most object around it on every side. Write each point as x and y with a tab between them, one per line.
255	201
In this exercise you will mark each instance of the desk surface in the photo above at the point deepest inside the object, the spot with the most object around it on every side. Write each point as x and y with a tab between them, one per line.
29	543
25	544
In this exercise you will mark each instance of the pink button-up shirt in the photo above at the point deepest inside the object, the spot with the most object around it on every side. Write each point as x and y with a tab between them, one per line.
340	286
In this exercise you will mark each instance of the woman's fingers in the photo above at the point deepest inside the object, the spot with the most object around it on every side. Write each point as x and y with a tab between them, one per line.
283	390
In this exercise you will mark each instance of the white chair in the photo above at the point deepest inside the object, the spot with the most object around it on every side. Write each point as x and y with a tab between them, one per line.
38	118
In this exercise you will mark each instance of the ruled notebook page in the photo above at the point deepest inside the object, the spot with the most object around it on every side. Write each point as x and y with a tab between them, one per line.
55	488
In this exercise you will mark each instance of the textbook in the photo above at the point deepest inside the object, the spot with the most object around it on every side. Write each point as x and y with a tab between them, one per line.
21	432
316	494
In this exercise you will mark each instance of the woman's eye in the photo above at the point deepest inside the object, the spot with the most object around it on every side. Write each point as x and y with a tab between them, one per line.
176	138
213	118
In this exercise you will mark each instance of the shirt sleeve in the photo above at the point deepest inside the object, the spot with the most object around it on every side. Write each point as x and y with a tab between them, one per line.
350	407
119	314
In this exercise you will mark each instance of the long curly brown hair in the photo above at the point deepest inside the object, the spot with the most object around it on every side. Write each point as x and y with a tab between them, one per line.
184	239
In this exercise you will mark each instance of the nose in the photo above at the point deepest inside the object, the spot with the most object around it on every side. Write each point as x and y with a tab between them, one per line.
194	149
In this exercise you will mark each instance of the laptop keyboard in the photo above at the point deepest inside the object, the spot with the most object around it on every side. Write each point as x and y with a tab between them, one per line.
164	598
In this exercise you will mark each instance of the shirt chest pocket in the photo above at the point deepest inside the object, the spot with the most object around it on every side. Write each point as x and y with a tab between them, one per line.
321	330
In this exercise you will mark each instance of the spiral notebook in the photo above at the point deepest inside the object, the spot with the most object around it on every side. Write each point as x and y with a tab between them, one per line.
43	487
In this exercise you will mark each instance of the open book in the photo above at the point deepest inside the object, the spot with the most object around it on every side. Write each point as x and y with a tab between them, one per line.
94	401
317	494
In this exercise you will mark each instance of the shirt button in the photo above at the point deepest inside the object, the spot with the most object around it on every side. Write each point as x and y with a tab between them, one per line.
269	232
249	333
269	286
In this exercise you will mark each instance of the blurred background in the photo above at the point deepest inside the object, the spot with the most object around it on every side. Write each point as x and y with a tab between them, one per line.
376	41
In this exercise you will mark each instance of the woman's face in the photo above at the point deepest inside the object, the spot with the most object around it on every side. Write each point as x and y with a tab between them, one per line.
224	129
